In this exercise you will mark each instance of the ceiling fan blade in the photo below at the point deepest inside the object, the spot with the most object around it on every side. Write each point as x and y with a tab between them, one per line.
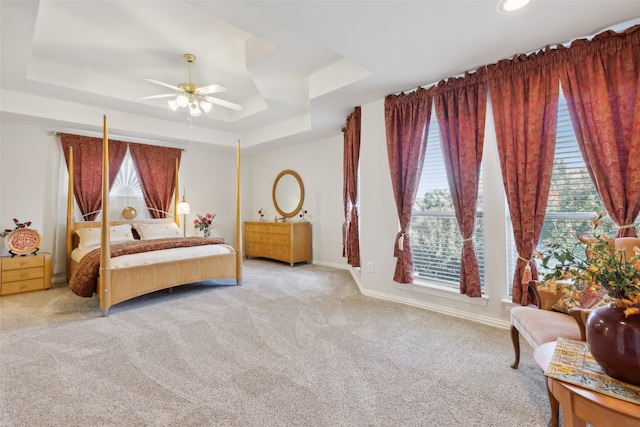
162	84
206	90
223	103
164	95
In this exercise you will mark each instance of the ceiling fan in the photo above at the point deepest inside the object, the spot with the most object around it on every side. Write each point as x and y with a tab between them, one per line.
192	96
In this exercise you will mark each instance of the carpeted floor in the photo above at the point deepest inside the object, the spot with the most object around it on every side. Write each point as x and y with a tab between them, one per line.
290	347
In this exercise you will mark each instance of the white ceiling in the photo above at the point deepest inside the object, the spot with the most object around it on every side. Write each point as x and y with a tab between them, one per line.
297	67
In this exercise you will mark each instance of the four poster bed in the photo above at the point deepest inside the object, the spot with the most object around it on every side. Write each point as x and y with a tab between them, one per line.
104	257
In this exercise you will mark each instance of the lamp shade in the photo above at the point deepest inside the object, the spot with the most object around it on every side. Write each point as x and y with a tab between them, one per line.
182	101
183	208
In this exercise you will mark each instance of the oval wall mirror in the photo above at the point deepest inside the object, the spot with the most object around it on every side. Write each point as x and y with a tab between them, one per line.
288	193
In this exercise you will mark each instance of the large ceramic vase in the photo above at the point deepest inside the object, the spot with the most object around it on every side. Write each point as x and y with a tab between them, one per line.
614	342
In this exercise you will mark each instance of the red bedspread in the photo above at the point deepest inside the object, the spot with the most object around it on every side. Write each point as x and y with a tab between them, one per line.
84	279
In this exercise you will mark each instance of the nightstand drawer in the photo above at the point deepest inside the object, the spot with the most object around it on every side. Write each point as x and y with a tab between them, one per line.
22	262
23	286
22	274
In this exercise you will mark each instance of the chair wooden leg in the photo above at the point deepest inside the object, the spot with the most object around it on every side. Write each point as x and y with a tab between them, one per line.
515	340
555	408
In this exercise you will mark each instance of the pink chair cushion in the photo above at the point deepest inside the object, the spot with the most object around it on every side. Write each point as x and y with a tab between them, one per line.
542	326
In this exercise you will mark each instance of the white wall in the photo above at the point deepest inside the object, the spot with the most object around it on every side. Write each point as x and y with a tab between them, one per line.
319	164
33	186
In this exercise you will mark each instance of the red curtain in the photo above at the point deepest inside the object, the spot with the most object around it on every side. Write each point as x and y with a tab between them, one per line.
87	169
407	119
524	96
351	159
156	168
461	112
600	81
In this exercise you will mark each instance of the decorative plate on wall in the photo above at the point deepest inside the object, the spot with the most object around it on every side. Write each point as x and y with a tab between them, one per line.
23	241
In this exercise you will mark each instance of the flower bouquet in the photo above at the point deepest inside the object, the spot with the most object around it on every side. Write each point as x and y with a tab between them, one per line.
204	222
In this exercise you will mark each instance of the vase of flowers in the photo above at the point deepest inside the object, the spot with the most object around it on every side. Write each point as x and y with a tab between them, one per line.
204	223
261	213
594	264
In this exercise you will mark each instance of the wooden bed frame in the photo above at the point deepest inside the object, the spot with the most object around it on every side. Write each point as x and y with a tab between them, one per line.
121	284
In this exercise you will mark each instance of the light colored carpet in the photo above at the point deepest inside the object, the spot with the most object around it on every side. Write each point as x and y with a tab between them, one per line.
290	347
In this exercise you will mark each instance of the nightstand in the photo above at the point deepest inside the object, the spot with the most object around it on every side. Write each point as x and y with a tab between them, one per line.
25	273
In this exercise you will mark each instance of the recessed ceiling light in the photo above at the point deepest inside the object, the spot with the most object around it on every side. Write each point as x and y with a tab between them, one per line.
506	6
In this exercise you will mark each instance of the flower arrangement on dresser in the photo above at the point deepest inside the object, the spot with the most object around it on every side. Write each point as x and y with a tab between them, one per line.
204	223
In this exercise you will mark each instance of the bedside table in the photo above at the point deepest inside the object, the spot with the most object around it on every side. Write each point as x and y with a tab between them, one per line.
25	273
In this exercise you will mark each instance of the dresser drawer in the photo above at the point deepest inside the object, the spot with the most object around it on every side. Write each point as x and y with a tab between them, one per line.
254	227
23	286
254	237
22	262
277	239
22	274
278	229
254	249
278	252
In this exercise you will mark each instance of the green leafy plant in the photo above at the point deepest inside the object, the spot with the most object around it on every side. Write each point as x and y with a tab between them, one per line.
592	263
17	225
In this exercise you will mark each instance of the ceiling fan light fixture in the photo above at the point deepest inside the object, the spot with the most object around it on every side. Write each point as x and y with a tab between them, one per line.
193	97
182	101
194	110
206	106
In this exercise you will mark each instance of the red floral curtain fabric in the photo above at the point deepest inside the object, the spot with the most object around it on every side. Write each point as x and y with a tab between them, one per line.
461	111
524	97
407	119
600	81
351	160
87	169
156	168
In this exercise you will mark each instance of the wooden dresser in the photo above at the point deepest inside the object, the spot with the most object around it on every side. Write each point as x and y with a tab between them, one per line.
284	241
25	273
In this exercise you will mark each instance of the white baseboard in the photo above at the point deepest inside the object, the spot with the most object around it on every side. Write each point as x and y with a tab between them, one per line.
331	264
437	308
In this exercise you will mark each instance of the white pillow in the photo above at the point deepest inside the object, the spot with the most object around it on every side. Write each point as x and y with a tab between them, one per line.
90	237
158	231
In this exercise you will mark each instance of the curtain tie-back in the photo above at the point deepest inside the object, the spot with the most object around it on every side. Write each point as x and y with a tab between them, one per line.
468	239
626	226
526	274
397	250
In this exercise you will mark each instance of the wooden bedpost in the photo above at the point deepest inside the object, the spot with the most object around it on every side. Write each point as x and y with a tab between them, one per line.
176	199
70	213
104	287
238	220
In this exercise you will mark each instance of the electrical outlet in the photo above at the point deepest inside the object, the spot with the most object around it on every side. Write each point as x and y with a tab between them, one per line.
370	267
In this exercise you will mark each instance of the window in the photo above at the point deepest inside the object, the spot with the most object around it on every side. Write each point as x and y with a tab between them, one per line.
126	192
436	243
573	199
